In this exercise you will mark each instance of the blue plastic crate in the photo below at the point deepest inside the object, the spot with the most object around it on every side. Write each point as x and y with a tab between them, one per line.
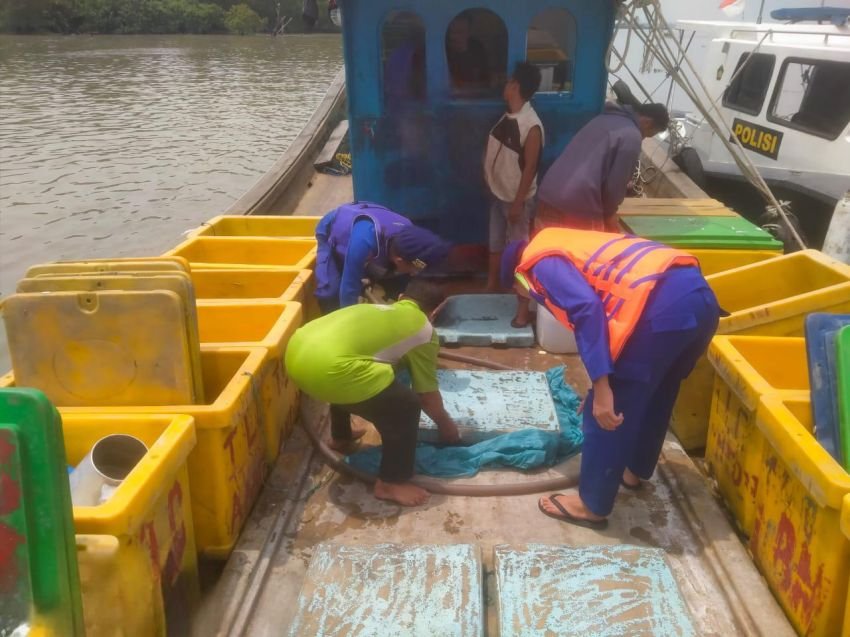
821	332
481	320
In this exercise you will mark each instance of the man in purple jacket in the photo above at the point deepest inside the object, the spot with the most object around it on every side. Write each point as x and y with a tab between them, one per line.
366	240
587	183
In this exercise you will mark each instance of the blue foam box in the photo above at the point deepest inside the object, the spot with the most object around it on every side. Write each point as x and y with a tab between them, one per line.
488	404
593	590
481	320
392	590
821	332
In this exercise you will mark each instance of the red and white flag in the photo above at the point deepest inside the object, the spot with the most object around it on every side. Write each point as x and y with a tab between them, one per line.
733	8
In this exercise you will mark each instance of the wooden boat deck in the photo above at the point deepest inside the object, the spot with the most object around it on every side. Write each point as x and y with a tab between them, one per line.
305	503
325	193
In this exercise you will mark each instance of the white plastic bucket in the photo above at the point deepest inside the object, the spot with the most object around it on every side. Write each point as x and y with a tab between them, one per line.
552	336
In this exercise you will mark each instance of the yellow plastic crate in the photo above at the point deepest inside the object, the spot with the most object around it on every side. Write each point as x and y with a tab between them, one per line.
845	529
771	298
258	226
109	607
228	465
269	325
247	253
714	261
154	559
229	285
797	540
747	368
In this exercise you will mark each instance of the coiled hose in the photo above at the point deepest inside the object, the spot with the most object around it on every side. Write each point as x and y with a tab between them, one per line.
435	485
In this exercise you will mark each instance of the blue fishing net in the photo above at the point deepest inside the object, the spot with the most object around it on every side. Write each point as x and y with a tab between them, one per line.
526	449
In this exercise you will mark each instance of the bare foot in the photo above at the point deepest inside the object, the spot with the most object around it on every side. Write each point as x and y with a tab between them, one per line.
630	480
572	502
405	494
347	444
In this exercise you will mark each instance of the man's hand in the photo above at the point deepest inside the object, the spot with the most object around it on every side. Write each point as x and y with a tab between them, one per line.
603	405
432	404
449	435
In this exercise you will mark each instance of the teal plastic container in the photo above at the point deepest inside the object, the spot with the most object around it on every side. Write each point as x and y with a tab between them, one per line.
701	232
39	581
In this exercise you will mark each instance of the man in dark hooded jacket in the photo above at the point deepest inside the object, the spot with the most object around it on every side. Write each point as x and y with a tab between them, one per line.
587	183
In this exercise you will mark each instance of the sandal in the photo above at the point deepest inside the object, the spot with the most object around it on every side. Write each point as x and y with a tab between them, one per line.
568	517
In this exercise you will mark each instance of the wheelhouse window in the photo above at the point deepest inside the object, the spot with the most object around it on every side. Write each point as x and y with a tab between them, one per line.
403	59
750	82
551	48
813	96
477	53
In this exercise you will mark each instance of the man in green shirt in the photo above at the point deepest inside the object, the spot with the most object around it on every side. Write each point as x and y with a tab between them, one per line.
346	358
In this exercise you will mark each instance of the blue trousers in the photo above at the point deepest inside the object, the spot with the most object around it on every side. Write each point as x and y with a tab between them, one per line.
672	335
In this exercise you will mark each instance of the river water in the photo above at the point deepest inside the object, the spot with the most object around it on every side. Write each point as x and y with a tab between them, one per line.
115	145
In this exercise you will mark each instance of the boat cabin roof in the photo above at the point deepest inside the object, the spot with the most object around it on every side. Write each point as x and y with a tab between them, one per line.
815	35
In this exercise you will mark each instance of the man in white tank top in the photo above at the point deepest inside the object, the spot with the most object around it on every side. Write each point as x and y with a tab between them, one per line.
510	166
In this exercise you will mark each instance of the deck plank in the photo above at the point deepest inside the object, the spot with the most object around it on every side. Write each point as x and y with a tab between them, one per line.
329	150
325	193
674	207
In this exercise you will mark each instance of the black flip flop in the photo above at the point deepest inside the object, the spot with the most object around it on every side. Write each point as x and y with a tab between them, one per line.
631	487
566	516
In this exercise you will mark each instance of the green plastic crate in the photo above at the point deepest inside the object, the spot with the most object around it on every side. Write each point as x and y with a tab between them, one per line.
39	581
702	232
842	346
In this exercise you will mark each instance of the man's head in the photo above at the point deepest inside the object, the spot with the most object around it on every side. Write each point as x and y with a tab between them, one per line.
415	249
652	119
459	31
523	84
426	295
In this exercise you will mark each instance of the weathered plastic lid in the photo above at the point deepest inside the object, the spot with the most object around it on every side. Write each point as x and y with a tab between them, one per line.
38	560
821	332
842	353
701	232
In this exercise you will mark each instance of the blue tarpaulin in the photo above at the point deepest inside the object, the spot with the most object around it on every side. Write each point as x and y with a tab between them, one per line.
526	449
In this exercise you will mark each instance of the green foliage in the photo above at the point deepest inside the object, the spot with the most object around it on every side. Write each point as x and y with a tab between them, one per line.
153	16
204	18
242	19
30	16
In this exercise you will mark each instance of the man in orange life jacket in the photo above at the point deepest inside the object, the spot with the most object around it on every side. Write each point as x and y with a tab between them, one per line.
643	315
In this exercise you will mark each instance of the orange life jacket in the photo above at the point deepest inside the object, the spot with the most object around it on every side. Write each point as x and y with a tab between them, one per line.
620	268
